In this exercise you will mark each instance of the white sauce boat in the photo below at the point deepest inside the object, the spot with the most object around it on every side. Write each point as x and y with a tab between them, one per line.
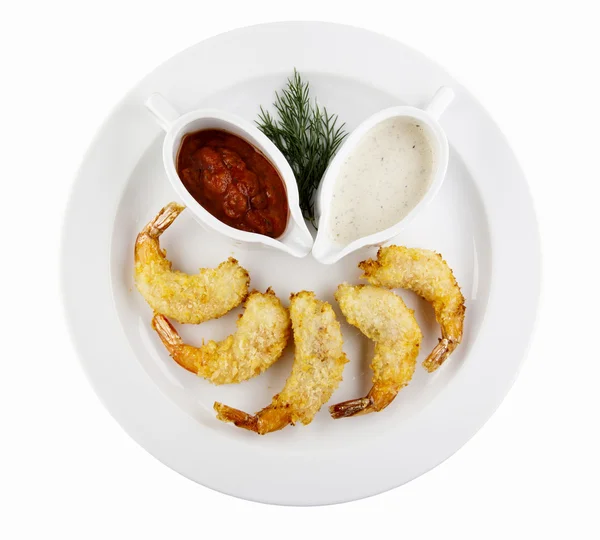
296	239
326	250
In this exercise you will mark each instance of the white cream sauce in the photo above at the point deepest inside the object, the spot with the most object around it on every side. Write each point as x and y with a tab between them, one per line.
382	180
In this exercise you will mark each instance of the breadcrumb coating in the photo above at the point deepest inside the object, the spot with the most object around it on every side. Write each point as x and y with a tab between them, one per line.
427	274
261	336
317	371
383	317
185	298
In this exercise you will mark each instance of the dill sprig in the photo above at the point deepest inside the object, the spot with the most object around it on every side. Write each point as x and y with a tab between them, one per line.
307	135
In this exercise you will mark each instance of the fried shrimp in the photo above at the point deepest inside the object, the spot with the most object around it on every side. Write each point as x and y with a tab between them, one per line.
428	275
383	317
262	334
188	299
316	373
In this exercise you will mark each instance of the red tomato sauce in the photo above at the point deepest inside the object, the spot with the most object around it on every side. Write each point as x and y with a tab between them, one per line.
233	181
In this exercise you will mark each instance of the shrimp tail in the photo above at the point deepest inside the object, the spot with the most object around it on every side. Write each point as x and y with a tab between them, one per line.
172	342
440	354
352	407
163	220
237	417
267	420
165	330
377	399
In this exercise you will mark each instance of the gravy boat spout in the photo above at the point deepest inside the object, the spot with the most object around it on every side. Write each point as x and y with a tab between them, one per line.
327	249
296	239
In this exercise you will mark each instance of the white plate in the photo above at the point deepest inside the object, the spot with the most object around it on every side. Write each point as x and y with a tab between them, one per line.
482	222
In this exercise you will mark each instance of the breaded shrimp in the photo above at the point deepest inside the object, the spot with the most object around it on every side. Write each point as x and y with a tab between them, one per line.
428	275
383	317
262	334
316	373
188	299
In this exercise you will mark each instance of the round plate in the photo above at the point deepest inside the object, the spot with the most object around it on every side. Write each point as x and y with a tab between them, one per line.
482	222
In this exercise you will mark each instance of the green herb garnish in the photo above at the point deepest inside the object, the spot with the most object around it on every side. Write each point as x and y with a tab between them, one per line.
306	134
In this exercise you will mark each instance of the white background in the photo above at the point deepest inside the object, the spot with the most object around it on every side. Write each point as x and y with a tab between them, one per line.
68	469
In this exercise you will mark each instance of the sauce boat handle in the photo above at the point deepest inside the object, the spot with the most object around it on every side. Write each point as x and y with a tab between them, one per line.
164	113
442	98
